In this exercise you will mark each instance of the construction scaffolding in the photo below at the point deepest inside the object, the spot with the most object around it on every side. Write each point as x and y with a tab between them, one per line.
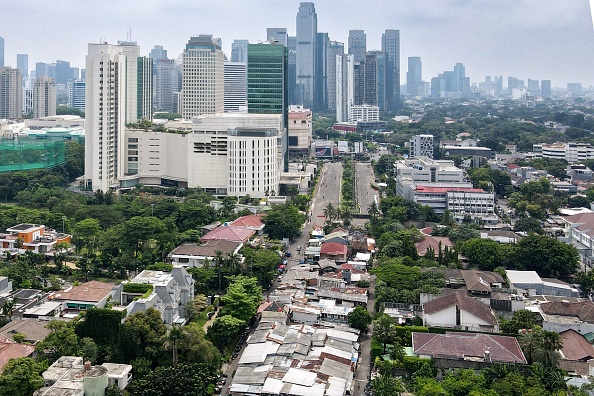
24	154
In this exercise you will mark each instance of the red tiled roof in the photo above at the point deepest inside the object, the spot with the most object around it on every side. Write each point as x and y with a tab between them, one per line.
251	221
12	350
333	248
513	166
459	345
434	243
93	291
229	233
584	310
575	346
462	301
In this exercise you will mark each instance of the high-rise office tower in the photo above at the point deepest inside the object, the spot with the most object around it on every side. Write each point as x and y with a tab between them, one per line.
44	97
166	84
40	69
76	94
63	73
358	82
414	77
375	79
545	88
334	49
533	87
75	73
157	53
278	34
421	146
292	40
1	52
203	77
267	81
344	86
358	44
23	64
307	29
391	49
321	72
235	87
239	51
11	93
139	83
105	116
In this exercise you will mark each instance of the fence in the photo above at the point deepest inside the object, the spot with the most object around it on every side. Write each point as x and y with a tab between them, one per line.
24	154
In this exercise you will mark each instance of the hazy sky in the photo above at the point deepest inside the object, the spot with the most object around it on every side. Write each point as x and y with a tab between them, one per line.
538	39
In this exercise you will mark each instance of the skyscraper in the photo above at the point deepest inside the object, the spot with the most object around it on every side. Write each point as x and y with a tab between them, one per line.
358	44
235	87
307	29
414	77
23	64
202	77
167	79
545	88
391	49
63	73
375	79
358	82
139	83
76	94
11	93
1	52
105	115
334	49
157	53
533	87
292	40
267	81
344	86
321	72
44	97
239	51
278	34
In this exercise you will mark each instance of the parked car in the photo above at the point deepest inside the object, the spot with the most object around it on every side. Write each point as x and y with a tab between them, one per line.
287	254
299	248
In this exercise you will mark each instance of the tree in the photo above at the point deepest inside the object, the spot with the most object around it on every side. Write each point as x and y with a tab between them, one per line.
384	385
63	341
195	306
329	212
384	330
242	299
373	210
195	347
223	329
359	318
141	335
486	254
545	255
549	346
172	338
284	221
86	231
184	380
8	308
21	377
528	224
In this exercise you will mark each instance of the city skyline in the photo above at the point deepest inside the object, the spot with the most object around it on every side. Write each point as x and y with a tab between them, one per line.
509	38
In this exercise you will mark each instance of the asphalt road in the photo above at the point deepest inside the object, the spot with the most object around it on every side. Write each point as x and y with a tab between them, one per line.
365	194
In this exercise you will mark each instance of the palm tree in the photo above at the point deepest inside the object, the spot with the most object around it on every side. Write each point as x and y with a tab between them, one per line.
232	262
550	344
329	212
8	308
373	210
172	338
529	344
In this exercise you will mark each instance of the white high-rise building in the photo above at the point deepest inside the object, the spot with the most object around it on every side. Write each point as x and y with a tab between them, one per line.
11	93
235	87
364	113
44	97
344	86
28	83
139	83
105	115
421	146
335	49
202	77
76	94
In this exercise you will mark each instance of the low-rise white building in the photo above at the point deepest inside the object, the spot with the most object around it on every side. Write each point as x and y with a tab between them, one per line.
426	170
570	152
365	113
421	146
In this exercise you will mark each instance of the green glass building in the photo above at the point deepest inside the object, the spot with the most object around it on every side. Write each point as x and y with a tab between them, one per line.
267	84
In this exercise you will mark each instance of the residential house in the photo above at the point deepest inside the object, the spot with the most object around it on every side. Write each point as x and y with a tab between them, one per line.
192	255
34	237
481	283
579	229
334	251
433	243
229	233
467	350
167	292
70	376
9	349
457	310
501	236
575	353
254	222
559	316
93	294
5	285
32	329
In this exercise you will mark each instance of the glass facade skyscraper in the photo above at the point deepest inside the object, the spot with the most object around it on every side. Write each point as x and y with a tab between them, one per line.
307	29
